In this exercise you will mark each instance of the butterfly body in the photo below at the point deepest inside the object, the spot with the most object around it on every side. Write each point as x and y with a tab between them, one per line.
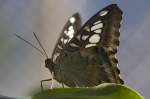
86	56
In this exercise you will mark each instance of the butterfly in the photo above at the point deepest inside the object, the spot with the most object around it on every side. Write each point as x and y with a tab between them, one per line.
86	56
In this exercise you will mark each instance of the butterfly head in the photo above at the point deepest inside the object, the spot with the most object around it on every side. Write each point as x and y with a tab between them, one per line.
49	64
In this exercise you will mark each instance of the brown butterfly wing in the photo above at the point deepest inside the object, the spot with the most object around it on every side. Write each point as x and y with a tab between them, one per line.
101	31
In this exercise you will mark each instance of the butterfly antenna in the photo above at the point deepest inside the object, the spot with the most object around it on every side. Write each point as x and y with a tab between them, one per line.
30	44
40	44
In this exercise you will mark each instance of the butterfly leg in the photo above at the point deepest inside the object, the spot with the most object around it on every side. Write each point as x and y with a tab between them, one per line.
52	80
42	89
63	85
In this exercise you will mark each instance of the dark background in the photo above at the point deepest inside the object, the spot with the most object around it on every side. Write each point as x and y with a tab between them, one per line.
22	67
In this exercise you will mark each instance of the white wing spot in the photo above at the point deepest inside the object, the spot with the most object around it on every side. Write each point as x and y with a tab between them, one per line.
74	45
90	45
55	56
98	31
72	20
84	37
65	41
117	65
70	28
115	56
78	37
60	47
70	32
61	39
97	22
97	26
87	28
102	13
94	38
119	30
65	32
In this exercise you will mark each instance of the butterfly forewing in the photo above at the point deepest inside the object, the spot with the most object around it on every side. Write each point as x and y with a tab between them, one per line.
68	32
101	30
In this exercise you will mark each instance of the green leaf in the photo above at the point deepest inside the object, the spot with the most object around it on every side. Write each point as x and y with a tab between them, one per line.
103	91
